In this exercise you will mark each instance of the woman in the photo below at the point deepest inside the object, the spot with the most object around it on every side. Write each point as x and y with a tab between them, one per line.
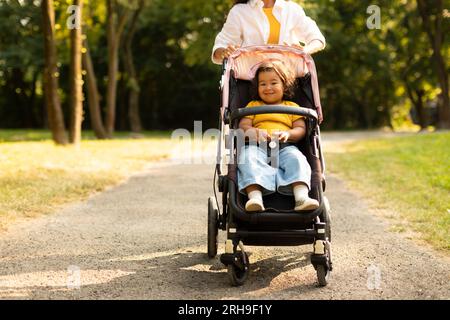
260	22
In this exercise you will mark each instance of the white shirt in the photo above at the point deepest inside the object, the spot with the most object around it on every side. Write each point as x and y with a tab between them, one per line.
248	25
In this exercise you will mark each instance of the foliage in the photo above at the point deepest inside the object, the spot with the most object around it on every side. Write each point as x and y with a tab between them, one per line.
21	62
368	78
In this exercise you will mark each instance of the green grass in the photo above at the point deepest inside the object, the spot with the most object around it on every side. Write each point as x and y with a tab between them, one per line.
407	175
36	176
14	135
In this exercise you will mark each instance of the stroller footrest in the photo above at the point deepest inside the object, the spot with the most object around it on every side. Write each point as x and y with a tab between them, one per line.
268	234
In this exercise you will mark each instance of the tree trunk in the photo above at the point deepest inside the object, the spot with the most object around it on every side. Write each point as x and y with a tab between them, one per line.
417	102
112	71
421	110
121	113
436	37
55	115
133	84
35	118
114	31
76	81
93	95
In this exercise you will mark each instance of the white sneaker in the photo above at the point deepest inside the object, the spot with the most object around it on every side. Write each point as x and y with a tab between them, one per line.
254	205
306	204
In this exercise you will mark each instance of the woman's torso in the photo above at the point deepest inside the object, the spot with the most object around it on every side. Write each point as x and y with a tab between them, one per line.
256	27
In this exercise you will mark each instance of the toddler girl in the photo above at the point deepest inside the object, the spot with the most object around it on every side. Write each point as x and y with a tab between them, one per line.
255	176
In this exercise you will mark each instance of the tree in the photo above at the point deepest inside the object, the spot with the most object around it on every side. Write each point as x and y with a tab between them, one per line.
412	70
433	22
94	31
21	65
130	70
51	85
76	79
117	18
93	95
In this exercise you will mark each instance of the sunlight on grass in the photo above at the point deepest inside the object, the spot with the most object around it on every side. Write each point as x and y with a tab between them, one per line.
410	175
36	176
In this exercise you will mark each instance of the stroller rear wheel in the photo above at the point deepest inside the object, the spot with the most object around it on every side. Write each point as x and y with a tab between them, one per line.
238	272
323	264
213	227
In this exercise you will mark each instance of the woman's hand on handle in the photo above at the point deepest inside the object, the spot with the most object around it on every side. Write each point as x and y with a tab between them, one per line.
225	53
311	48
295	45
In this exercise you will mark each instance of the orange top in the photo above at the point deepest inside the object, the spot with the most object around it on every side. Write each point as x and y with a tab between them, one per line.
272	122
274	36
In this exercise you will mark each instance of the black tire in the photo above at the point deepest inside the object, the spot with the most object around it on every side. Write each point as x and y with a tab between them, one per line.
323	275
236	275
213	227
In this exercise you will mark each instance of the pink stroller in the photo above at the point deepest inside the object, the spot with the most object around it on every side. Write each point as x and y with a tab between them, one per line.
279	224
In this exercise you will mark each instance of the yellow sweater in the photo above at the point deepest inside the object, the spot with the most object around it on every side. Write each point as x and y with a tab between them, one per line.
273	121
274	36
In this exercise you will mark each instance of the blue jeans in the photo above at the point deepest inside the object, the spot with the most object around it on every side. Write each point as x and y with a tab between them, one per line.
253	168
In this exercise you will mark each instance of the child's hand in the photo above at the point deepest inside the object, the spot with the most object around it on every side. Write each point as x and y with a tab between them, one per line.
263	135
282	136
255	134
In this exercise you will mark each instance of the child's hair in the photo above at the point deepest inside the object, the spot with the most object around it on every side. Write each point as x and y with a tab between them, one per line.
286	76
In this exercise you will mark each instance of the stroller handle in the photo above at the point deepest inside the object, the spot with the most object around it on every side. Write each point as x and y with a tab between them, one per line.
242	112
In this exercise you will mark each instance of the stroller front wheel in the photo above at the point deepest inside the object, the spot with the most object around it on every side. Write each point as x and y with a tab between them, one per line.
213	227
327	218
238	272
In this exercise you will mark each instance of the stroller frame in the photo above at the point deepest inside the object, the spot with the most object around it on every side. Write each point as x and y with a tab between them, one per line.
279	224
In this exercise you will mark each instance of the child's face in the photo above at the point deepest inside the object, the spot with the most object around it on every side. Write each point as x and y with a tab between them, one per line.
270	87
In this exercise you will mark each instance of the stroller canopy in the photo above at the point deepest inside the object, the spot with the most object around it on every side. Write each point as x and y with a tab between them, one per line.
245	61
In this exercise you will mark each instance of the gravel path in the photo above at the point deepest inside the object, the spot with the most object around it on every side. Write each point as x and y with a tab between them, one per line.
146	239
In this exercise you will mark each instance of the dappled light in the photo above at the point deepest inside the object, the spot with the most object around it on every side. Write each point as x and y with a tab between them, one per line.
224	150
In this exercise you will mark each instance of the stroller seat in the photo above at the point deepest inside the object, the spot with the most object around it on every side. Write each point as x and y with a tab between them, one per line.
279	207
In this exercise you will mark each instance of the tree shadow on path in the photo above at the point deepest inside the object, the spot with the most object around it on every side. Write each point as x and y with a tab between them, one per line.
186	275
